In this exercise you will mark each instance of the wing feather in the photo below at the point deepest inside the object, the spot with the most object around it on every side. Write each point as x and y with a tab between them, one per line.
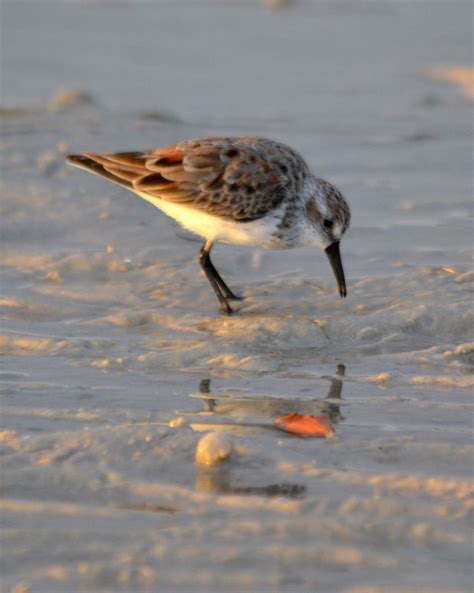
150	182
235	178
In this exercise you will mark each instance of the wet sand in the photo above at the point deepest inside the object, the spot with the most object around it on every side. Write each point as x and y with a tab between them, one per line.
116	360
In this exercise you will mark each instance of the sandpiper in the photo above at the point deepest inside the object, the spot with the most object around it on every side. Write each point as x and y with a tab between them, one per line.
241	190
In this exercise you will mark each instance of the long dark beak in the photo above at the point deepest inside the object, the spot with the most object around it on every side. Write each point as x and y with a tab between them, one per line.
334	257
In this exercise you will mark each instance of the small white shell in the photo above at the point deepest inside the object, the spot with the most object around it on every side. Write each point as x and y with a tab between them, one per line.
213	448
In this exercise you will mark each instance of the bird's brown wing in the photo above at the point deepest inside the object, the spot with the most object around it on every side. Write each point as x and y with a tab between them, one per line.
236	178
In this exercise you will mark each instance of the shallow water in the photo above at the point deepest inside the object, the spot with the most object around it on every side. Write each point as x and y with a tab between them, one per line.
109	328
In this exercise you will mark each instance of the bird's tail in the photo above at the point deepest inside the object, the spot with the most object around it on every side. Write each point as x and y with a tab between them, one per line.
84	162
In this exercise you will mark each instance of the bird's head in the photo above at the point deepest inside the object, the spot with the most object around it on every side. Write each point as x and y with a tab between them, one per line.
328	217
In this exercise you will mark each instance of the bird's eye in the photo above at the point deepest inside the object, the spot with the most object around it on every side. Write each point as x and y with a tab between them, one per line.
328	223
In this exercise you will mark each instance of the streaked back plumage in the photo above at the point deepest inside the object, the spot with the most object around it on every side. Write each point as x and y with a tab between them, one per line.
240	178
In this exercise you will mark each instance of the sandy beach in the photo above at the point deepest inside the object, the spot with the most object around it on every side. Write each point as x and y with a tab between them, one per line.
116	361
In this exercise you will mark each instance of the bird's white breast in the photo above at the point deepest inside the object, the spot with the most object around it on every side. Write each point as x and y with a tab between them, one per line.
258	233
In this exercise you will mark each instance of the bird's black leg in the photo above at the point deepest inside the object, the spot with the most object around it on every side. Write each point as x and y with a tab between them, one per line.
212	276
228	293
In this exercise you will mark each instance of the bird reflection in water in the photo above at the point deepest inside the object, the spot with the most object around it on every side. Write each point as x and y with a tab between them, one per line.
251	416
260	412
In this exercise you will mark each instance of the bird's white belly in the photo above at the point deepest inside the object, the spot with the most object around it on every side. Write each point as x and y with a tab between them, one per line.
258	233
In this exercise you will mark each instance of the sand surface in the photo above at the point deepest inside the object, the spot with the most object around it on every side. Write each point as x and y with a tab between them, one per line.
116	360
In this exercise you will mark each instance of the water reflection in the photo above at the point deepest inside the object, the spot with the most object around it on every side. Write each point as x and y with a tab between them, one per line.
251	416
220	481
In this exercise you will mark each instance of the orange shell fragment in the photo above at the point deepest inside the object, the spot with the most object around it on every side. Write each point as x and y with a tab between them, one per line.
304	425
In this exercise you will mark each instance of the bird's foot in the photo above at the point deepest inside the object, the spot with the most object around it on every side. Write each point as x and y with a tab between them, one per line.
226	309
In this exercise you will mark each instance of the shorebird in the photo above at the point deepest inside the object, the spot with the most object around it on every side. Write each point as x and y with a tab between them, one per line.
241	190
